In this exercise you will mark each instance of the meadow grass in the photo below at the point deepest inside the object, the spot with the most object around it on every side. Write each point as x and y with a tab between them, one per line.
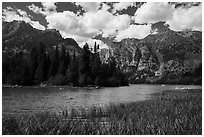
170	112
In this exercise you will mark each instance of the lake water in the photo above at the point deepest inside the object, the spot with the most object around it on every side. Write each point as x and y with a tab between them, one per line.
56	99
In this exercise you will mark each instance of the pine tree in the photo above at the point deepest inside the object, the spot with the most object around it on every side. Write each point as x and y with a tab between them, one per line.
62	66
95	50
84	67
84	60
41	70
54	60
67	59
33	61
98	47
112	65
72	71
27	79
18	66
95	67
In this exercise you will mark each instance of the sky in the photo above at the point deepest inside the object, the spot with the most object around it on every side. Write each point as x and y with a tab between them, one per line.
85	20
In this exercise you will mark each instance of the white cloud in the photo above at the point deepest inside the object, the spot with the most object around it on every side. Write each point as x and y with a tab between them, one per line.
48	8
134	31
89	6
70	25
107	23
86	26
36	25
98	19
105	7
10	15
121	5
22	13
9	8
62	20
184	17
35	9
153	12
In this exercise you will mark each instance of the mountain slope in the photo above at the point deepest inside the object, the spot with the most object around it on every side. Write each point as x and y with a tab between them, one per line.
18	35
163	56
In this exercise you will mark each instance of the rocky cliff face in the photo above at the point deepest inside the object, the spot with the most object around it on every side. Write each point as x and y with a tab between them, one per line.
162	56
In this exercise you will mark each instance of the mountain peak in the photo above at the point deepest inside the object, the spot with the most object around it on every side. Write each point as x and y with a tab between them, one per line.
159	27
22	36
17	28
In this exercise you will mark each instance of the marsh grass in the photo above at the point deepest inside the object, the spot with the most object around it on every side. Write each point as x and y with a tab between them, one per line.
171	112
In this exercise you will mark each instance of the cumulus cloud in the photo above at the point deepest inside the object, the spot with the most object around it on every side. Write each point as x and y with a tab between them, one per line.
134	31
107	23
184	17
48	8
70	25
153	12
9	8
89	6
35	9
10	14
121	5
86	26
99	19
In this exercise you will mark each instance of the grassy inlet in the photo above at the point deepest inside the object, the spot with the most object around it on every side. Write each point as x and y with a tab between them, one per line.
171	112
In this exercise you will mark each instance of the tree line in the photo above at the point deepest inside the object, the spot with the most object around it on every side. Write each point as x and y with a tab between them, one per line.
58	67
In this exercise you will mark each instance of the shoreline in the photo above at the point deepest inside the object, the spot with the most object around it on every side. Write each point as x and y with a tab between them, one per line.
57	86
86	87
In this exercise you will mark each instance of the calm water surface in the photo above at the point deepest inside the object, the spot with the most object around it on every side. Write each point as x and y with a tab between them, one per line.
56	99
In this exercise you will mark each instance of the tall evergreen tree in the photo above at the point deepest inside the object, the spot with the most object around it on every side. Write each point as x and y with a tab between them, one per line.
33	61
18	66
95	48
112	65
96	66
27	79
84	60
54	63
41	71
62	62
72	71
67	59
98	47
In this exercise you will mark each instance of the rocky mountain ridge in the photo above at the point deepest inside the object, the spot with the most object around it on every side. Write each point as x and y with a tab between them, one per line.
164	56
18	35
